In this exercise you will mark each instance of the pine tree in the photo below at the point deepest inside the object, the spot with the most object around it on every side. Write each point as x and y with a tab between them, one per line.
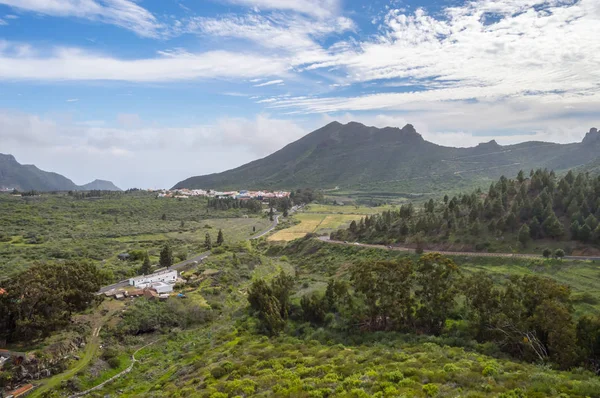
182	225
207	242
524	235
521	176
220	238
166	256
585	233
163	217
146	267
271	213
575	229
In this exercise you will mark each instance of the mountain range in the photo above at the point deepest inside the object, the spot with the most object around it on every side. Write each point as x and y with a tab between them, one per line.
26	177
357	157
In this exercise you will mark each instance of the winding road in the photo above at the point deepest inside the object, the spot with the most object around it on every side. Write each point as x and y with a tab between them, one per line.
448	253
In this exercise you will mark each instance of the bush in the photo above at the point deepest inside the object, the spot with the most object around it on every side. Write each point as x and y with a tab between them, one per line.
431	390
114	362
218	371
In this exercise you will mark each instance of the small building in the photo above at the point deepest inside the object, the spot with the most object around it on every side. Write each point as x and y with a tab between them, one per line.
162	287
124	256
21	391
164	296
135	293
2	291
167	276
150	294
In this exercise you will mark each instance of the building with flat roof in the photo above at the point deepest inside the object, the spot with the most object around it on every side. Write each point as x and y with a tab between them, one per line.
167	276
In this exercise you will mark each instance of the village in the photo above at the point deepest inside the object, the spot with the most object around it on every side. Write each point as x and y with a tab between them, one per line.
185	193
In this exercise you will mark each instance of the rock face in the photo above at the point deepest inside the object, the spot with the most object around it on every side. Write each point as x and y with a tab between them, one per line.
51	361
592	137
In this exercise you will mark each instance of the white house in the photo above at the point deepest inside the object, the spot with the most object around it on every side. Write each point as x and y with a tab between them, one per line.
167	276
161	287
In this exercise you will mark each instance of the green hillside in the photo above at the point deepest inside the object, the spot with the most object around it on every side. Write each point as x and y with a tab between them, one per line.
14	175
357	157
523	214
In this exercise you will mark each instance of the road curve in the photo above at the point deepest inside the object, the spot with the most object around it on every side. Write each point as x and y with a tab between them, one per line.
447	253
189	261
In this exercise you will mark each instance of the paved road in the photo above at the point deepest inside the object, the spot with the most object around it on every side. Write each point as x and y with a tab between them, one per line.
447	253
189	261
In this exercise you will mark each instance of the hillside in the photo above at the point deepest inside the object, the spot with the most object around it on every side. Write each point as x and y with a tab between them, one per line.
525	214
357	157
14	175
99	185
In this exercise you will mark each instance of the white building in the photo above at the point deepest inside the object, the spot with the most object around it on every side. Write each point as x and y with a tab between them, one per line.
161	287
167	276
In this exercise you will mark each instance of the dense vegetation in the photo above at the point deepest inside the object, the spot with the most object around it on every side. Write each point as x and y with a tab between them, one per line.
541	207
362	158
42	299
529	317
226	356
77	226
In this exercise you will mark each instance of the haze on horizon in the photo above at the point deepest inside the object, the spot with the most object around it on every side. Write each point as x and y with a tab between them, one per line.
147	93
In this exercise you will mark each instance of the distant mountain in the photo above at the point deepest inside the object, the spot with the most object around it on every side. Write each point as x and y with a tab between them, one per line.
357	157
99	185
14	175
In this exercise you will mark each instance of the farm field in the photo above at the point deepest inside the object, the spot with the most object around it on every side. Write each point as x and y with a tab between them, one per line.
314	223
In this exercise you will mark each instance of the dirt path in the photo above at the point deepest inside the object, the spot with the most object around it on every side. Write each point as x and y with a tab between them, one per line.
90	352
447	253
118	375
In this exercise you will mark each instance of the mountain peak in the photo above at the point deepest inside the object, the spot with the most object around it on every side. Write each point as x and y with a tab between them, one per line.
592	137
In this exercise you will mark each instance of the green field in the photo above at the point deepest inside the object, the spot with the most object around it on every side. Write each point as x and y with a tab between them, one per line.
58	226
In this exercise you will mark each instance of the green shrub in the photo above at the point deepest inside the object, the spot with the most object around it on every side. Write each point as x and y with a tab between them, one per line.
431	390
114	362
395	376
217	372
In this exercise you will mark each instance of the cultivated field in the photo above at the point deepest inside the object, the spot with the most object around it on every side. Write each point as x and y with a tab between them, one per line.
315	223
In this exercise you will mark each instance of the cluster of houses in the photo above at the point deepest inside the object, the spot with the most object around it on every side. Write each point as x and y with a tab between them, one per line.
243	194
154	286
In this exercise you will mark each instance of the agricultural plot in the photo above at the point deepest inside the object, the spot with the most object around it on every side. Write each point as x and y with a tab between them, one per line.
314	223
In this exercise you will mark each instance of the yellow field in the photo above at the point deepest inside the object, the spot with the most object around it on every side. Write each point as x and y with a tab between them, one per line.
331	209
314	223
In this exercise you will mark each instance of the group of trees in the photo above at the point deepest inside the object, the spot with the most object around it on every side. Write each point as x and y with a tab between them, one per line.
252	205
539	207
208	241
529	317
41	299
306	195
94	193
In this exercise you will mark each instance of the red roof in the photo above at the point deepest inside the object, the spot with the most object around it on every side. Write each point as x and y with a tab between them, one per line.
21	390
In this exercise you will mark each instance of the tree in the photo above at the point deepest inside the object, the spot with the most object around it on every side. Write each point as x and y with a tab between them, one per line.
285	212
547	253
559	253
437	278
353	227
585	233
552	226
271	213
146	268
207	242
524	235
182	224
220	238
446	199
166	256
163	217
574	229
521	176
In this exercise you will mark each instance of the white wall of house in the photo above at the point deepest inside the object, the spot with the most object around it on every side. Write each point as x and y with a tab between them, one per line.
163	276
162	287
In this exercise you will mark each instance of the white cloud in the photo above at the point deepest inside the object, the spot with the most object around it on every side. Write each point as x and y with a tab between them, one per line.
269	83
124	13
317	8
62	145
24	63
551	54
73	100
3	22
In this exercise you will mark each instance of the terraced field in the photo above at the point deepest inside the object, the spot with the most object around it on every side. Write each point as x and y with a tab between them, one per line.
314	223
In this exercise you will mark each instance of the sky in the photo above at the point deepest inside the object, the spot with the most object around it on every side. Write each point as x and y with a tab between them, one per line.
146	93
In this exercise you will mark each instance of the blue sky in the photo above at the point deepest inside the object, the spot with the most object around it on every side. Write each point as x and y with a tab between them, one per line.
149	92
